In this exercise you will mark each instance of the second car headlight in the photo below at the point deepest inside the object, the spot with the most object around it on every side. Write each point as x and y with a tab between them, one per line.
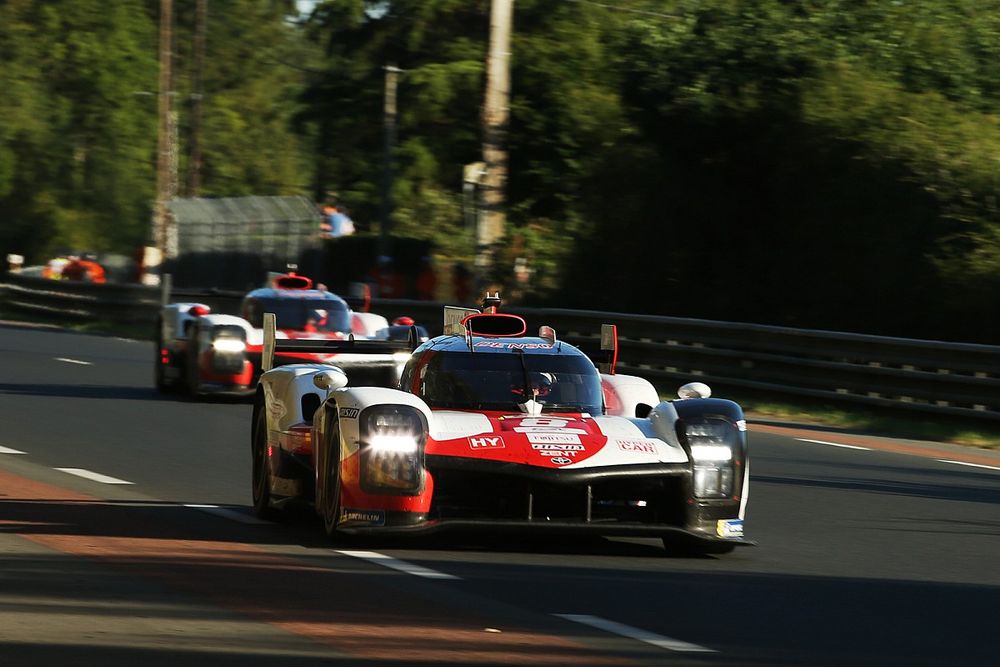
228	345
392	449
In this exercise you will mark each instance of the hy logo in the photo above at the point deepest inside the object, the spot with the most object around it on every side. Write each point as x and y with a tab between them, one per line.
487	442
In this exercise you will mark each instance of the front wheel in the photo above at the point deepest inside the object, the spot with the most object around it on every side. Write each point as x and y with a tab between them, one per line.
261	475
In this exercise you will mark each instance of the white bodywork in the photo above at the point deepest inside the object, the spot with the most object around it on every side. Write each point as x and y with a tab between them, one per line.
174	317
285	386
367	324
625	392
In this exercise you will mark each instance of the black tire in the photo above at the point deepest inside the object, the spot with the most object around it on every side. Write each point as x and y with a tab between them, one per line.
330	509
261	475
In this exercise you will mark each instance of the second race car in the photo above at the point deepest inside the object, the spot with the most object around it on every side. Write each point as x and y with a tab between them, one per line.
201	352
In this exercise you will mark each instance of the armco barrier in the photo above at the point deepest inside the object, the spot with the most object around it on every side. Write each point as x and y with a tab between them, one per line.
931	376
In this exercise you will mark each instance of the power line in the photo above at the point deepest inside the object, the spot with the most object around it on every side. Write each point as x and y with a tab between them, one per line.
628	10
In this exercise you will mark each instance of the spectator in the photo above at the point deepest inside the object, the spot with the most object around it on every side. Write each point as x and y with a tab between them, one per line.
335	221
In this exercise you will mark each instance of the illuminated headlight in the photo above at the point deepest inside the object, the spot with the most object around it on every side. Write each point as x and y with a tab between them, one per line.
392	449
711	453
232	345
712	446
401	357
400	444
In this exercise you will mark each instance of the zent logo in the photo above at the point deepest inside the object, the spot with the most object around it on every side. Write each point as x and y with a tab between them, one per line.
487	442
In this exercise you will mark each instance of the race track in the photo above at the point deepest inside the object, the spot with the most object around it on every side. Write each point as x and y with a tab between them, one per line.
125	539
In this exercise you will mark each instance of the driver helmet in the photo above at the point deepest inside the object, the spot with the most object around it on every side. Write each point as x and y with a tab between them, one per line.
318	317
541	384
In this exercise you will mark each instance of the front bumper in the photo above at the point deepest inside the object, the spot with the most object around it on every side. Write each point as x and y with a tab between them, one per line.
675	534
650	500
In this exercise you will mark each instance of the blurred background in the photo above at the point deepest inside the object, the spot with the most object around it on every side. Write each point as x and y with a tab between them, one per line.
829	164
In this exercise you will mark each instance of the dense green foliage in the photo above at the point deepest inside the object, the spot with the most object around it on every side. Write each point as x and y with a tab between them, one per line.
78	128
819	163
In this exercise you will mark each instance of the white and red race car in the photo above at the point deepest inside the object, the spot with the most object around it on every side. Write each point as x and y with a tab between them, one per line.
201	352
492	429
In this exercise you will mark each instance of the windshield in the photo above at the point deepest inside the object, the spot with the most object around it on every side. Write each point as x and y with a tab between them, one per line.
300	314
489	381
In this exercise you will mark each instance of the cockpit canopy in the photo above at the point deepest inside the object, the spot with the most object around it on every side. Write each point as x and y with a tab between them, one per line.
312	313
502	381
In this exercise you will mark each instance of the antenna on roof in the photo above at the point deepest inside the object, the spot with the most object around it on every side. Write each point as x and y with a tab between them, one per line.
491	302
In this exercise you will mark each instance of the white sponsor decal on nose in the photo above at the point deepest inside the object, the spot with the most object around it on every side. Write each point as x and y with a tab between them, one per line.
487	442
554	438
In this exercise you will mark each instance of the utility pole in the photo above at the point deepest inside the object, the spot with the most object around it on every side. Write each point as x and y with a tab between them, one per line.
496	114
389	144
197	95
164	238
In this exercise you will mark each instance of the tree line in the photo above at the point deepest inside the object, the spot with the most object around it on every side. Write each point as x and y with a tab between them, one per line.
825	164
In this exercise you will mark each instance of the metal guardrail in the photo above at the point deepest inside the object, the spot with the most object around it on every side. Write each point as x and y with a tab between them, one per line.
931	376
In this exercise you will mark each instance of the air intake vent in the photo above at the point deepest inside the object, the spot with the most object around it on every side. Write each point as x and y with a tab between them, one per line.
310	403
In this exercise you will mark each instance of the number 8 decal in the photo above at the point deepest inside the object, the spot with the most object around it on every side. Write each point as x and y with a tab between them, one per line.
544	421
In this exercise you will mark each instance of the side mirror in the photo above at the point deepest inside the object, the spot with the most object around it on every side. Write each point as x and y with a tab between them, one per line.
330	379
695	390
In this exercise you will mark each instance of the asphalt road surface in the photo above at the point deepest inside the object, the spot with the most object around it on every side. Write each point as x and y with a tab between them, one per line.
126	539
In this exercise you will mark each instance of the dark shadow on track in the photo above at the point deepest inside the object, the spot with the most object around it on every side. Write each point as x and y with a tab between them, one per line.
261	571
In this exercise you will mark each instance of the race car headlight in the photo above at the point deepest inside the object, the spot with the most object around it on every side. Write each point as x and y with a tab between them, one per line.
228	345
712	444
392	449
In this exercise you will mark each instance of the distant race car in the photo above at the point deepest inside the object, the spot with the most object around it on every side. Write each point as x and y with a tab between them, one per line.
200	352
495	430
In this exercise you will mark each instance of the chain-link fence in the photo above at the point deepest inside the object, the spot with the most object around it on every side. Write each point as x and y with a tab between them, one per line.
232	242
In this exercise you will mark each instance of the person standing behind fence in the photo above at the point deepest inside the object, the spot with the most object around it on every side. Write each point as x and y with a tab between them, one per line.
342	225
336	222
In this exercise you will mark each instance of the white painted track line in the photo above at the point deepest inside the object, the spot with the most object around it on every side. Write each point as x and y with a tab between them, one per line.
73	361
94	476
8	450
833	444
971	465
402	566
659	641
230	514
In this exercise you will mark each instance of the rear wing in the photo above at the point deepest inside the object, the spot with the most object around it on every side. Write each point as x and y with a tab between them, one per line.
273	345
